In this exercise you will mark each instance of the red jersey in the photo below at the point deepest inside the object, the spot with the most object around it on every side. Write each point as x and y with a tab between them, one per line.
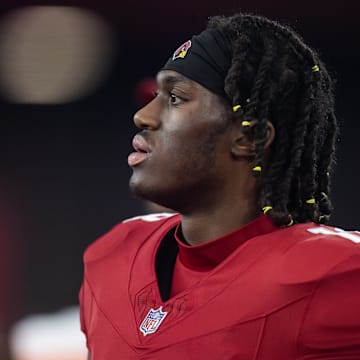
280	294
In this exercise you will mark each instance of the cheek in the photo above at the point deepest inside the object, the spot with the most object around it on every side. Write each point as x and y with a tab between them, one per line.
190	143
189	155
183	134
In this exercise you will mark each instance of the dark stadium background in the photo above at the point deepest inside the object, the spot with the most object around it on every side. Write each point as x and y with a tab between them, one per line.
63	167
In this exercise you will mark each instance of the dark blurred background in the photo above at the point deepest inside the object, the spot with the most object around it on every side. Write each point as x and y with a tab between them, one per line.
65	135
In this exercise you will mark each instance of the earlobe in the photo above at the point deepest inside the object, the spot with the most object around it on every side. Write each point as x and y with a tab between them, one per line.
243	144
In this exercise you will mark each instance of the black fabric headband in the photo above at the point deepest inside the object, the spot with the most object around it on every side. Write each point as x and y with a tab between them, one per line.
205	58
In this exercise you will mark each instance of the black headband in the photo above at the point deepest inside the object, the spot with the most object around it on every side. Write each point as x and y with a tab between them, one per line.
205	58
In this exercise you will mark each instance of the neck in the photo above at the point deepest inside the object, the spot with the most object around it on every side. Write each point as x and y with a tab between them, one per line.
208	224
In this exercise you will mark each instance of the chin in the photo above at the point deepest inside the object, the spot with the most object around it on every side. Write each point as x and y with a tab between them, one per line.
141	188
136	186
151	192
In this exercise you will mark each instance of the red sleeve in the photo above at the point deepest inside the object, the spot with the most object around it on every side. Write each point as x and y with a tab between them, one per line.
331	326
85	302
81	302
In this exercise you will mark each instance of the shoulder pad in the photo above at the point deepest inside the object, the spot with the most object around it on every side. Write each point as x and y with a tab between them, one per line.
139	228
321	251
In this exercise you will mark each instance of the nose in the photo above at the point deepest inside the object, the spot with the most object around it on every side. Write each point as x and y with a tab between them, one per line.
147	117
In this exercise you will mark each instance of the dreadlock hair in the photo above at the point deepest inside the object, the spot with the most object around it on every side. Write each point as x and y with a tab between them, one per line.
276	77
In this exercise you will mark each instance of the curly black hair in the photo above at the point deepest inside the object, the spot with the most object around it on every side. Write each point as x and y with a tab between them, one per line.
276	77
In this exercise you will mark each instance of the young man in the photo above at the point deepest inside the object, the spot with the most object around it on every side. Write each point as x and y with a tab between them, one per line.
240	142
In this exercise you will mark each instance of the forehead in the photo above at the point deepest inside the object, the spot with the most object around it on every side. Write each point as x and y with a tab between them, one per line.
170	77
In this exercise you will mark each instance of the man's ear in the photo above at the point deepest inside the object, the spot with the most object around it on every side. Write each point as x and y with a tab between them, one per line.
243	144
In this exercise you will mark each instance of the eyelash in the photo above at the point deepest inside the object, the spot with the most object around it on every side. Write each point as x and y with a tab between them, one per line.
174	99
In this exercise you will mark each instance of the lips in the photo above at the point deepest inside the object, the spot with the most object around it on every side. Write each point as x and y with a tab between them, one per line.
140	144
142	151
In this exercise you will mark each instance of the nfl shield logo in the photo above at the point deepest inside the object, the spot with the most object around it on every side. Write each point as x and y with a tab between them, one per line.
152	321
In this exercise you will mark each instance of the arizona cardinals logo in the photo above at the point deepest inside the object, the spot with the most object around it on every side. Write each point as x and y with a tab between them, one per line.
182	50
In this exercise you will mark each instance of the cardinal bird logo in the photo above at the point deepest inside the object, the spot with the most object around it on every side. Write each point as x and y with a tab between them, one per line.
182	50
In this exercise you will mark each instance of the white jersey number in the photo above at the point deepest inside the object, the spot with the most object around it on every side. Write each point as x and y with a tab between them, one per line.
151	217
352	236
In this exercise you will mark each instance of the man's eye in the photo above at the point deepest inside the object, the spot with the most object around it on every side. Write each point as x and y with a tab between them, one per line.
174	99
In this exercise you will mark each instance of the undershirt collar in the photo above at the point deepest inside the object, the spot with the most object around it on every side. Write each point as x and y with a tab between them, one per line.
206	256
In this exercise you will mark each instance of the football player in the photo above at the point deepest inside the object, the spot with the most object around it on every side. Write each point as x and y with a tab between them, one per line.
240	142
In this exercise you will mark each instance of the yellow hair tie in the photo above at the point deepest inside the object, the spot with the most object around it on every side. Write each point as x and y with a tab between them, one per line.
266	209
315	68
236	108
246	123
324	196
310	201
290	223
257	168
